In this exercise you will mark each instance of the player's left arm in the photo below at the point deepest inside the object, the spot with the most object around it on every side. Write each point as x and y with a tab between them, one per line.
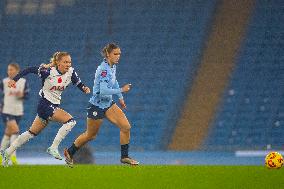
116	86
120	96
77	81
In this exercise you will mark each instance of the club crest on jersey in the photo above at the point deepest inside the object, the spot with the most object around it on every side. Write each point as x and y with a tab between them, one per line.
104	73
59	80
95	113
57	88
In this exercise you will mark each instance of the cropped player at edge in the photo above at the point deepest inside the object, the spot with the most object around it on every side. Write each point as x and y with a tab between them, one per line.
101	105
13	108
55	76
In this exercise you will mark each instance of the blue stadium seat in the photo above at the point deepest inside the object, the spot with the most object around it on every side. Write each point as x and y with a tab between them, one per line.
161	44
252	108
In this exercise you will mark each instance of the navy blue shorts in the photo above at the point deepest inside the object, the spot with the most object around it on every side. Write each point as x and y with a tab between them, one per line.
9	117
95	112
45	109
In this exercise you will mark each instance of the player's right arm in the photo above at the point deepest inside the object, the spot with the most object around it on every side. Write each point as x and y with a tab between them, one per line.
39	70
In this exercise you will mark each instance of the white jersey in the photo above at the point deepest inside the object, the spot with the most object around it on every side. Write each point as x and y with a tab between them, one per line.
12	104
53	81
55	84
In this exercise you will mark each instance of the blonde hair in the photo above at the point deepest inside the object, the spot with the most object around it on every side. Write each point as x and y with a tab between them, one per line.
55	58
108	49
15	65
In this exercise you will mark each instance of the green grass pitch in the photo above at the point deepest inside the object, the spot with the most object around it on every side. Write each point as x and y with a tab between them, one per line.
116	176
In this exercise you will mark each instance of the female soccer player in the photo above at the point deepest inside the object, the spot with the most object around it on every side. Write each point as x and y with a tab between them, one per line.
55	78
101	105
13	108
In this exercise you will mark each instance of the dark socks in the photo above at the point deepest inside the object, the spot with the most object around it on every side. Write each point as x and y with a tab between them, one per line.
72	150
124	150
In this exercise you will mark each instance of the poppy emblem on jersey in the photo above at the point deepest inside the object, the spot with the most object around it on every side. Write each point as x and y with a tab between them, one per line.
104	73
59	80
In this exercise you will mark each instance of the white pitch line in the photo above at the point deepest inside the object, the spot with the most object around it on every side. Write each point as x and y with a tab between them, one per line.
252	153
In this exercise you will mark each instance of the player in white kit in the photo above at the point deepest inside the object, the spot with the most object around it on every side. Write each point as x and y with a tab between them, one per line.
13	108
55	76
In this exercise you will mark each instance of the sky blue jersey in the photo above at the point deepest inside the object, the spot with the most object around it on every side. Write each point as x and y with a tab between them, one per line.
105	85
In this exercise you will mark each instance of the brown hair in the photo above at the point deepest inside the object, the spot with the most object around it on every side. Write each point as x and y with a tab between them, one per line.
15	65
57	57
108	49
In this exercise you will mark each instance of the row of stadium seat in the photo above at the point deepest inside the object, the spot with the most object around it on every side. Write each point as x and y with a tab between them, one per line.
252	114
161	44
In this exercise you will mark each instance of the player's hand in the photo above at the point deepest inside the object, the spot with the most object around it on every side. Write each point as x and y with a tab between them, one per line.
46	66
122	104
12	84
86	90
126	88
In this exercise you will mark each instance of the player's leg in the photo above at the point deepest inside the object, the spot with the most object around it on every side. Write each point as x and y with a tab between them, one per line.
13	130
5	142
93	127
115	115
6	139
38	125
61	116
95	117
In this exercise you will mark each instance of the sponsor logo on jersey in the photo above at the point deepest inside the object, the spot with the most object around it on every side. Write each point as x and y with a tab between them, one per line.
57	88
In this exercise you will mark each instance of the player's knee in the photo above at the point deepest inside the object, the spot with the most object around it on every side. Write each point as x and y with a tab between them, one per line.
70	123
8	132
126	127
15	131
32	133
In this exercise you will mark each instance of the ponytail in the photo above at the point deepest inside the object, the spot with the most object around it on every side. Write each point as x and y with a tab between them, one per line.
55	58
108	49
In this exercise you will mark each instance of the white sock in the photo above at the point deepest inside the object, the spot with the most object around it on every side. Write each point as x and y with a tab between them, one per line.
62	132
12	139
20	140
5	142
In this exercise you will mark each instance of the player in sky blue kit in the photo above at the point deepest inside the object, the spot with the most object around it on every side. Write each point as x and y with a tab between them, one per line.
13	107
55	76
101	105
